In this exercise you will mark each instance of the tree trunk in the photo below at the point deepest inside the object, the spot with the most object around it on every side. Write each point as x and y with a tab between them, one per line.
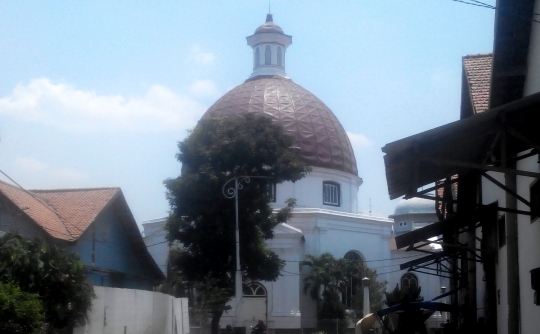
216	316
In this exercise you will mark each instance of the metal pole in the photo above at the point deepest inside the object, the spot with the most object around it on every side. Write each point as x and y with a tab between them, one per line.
238	275
237	225
230	193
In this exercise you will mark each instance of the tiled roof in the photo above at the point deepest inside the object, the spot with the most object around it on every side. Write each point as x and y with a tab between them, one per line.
64	213
478	72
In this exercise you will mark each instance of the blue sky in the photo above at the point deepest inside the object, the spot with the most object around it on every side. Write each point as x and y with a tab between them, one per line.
98	93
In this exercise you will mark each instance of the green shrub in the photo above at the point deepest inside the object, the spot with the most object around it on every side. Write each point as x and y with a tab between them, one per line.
20	312
52	273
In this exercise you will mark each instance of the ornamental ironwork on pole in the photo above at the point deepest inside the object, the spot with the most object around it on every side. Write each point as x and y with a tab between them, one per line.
232	192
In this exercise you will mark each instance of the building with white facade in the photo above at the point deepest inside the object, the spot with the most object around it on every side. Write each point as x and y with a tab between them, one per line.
486	167
326	217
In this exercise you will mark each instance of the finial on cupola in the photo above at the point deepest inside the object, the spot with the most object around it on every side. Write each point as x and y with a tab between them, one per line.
269	44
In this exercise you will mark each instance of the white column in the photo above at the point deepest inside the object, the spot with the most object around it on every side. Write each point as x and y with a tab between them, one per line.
365	283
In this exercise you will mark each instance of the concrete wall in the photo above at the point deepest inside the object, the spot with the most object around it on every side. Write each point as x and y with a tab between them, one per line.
532	83
528	250
490	194
129	311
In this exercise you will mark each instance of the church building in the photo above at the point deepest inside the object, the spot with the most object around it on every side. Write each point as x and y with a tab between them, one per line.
326	217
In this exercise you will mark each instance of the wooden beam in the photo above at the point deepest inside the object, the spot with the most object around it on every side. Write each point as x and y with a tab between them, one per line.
505	188
521	137
470	165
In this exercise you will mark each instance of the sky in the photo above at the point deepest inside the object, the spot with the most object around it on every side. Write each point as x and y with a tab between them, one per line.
99	93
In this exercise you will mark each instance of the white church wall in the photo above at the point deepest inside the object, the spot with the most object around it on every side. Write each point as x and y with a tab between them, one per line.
283	308
339	233
431	285
154	239
309	190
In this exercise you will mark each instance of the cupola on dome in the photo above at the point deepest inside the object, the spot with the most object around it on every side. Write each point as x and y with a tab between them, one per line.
269	26
317	132
414	205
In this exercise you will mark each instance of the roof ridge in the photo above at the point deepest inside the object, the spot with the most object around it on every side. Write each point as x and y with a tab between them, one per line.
72	189
478	55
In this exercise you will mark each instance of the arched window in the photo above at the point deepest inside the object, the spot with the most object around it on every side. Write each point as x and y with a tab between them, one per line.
268	55
409	280
354	282
257	59
279	57
254	290
353	256
331	193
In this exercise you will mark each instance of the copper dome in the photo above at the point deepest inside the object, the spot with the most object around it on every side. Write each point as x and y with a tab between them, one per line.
316	130
269	26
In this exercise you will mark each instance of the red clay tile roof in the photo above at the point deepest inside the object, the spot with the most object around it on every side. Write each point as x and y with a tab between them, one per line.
478	73
64	213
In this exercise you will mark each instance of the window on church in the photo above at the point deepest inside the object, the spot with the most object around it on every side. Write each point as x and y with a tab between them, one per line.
279	57
271	191
268	55
354	283
409	280
254	290
535	201
256	60
331	193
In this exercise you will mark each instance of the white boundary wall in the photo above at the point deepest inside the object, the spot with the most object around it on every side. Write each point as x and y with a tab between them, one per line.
128	311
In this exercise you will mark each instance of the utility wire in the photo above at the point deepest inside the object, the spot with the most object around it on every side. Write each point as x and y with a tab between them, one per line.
396	258
476	3
480	4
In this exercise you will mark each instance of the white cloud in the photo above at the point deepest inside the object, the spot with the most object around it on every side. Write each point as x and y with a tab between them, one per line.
358	141
202	57
30	165
205	88
63	106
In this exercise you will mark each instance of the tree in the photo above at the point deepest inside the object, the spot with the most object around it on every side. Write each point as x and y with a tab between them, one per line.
404	295
202	219
377	291
327	279
55	275
330	277
20	312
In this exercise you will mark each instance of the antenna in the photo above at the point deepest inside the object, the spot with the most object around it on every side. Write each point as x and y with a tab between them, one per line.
370	206
269	7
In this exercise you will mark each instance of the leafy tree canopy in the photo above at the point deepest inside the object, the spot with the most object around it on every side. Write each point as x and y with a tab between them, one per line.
203	220
20	312
55	275
403	295
377	291
330	277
